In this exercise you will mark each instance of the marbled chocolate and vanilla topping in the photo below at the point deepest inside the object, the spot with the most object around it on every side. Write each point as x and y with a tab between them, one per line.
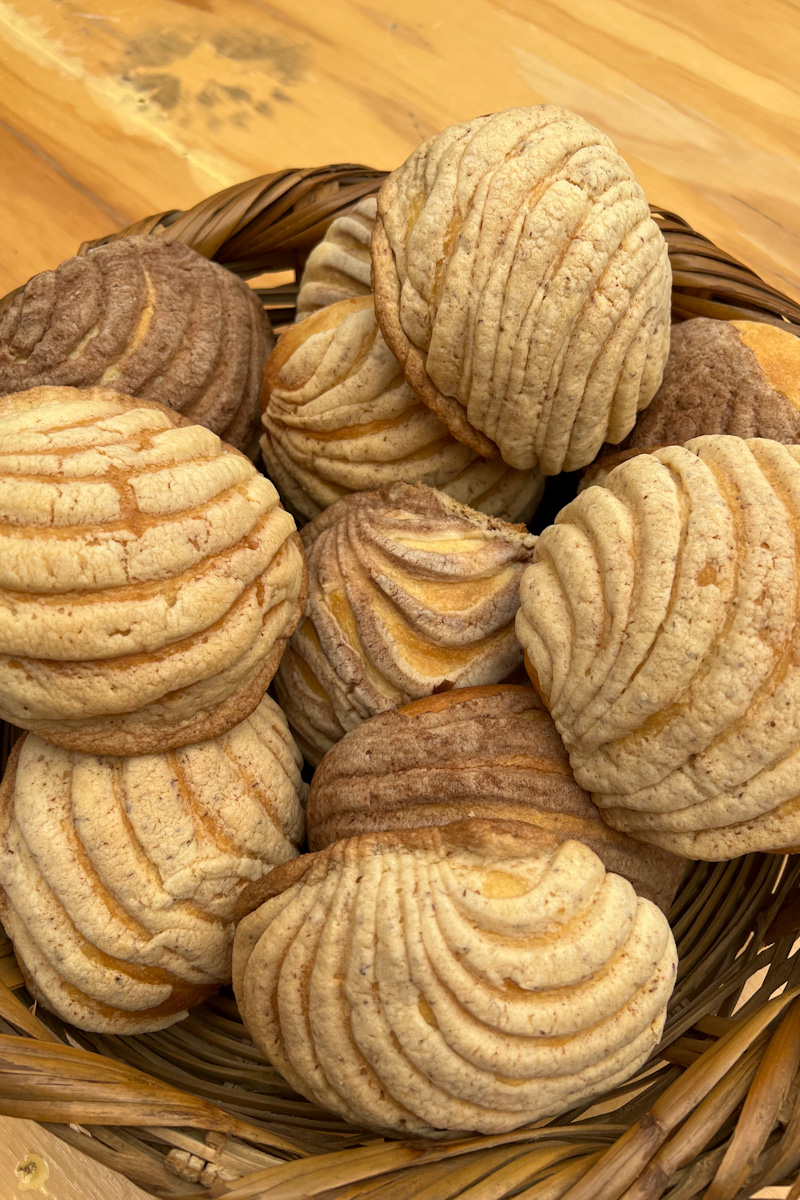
409	591
150	318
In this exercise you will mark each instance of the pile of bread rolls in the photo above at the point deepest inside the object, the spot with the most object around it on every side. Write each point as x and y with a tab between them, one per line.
476	937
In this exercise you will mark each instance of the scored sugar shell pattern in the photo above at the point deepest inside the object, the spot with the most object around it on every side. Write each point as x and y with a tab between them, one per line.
738	377
339	418
150	318
339	266
352	977
660	624
409	591
490	752
119	876
149	577
522	283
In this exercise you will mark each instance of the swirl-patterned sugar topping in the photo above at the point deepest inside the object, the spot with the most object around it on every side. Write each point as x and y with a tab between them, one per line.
148	576
119	876
150	318
339	418
472	977
522	283
408	590
339	266
490	752
660	622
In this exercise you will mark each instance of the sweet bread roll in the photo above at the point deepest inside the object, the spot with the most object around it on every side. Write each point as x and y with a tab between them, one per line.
522	283
409	592
149	577
119	876
471	977
660	625
490	752
339	266
150	318
737	377
339	418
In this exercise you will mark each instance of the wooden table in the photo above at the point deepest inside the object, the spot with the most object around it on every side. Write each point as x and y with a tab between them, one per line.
113	109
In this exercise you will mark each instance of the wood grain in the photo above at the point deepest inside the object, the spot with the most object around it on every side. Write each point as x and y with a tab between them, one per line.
132	107
113	109
67	1174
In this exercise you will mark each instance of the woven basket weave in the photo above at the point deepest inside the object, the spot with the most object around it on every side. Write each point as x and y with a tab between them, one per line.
195	1110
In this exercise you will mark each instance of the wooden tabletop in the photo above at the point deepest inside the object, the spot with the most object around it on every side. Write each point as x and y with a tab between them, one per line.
114	109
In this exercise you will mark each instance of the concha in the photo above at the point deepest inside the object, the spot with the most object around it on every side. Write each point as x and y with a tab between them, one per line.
338	418
149	577
660	624
119	876
491	752
150	318
409	592
339	266
353	977
523	285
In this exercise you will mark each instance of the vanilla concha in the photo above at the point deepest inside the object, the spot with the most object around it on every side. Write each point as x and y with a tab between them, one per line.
339	266
338	418
151	318
659	621
523	285
149	577
409	592
473	977
119	876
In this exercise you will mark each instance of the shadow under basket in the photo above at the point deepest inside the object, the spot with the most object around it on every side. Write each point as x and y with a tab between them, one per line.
196	1110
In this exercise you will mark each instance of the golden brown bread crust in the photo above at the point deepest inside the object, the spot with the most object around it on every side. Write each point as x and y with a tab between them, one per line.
524	287
338	417
408	591
153	319
149	576
474	976
339	266
674	681
119	876
486	752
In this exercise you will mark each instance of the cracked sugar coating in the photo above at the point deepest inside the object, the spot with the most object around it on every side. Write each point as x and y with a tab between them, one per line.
339	418
339	266
352	977
490	752
149	577
738	377
660	624
522	283
150	318
119	876
408	590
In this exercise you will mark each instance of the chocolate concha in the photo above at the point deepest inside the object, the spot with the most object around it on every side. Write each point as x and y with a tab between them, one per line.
339	418
119	876
409	591
150	318
523	285
491	752
736	377
339	266
353	980
149	577
659	620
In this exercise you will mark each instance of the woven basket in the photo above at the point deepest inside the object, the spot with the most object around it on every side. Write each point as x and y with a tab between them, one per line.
195	1110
